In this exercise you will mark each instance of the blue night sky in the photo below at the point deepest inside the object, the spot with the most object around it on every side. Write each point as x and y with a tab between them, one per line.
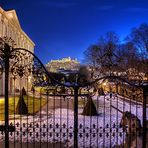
62	28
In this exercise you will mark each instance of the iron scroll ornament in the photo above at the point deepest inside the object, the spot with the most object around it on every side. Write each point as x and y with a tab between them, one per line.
25	63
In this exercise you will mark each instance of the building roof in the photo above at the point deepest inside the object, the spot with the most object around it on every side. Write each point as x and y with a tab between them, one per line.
13	19
11	14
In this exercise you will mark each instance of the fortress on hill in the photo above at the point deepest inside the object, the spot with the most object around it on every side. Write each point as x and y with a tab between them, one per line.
63	64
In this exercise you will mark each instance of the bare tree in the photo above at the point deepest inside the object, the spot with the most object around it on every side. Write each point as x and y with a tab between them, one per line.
109	55
91	55
129	56
139	37
102	55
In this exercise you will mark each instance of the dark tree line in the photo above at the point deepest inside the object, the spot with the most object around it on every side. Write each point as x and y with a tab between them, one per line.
81	76
110	54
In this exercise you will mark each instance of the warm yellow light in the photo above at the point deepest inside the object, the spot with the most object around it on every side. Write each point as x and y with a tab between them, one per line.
29	79
1	100
104	84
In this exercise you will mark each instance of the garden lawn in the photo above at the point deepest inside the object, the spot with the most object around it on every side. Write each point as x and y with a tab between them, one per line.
34	105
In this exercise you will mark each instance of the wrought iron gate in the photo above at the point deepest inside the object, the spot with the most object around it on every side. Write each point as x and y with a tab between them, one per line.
39	109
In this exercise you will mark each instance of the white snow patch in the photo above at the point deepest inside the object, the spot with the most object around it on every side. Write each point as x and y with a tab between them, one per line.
58	126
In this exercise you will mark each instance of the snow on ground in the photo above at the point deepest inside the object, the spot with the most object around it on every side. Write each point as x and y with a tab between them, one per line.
96	131
121	103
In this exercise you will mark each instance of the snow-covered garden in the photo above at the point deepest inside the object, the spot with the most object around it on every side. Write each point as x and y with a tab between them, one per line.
58	125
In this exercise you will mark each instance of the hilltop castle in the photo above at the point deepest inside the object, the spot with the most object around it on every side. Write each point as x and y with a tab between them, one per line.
63	64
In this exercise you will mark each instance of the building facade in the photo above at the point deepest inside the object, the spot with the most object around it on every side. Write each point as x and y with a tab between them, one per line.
10	27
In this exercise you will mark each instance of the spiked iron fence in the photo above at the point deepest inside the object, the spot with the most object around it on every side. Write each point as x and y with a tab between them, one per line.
36	110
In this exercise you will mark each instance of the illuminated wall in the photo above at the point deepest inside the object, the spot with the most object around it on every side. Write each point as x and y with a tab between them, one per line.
10	27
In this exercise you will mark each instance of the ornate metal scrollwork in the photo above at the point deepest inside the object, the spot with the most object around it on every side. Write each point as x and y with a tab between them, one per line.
22	63
25	63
